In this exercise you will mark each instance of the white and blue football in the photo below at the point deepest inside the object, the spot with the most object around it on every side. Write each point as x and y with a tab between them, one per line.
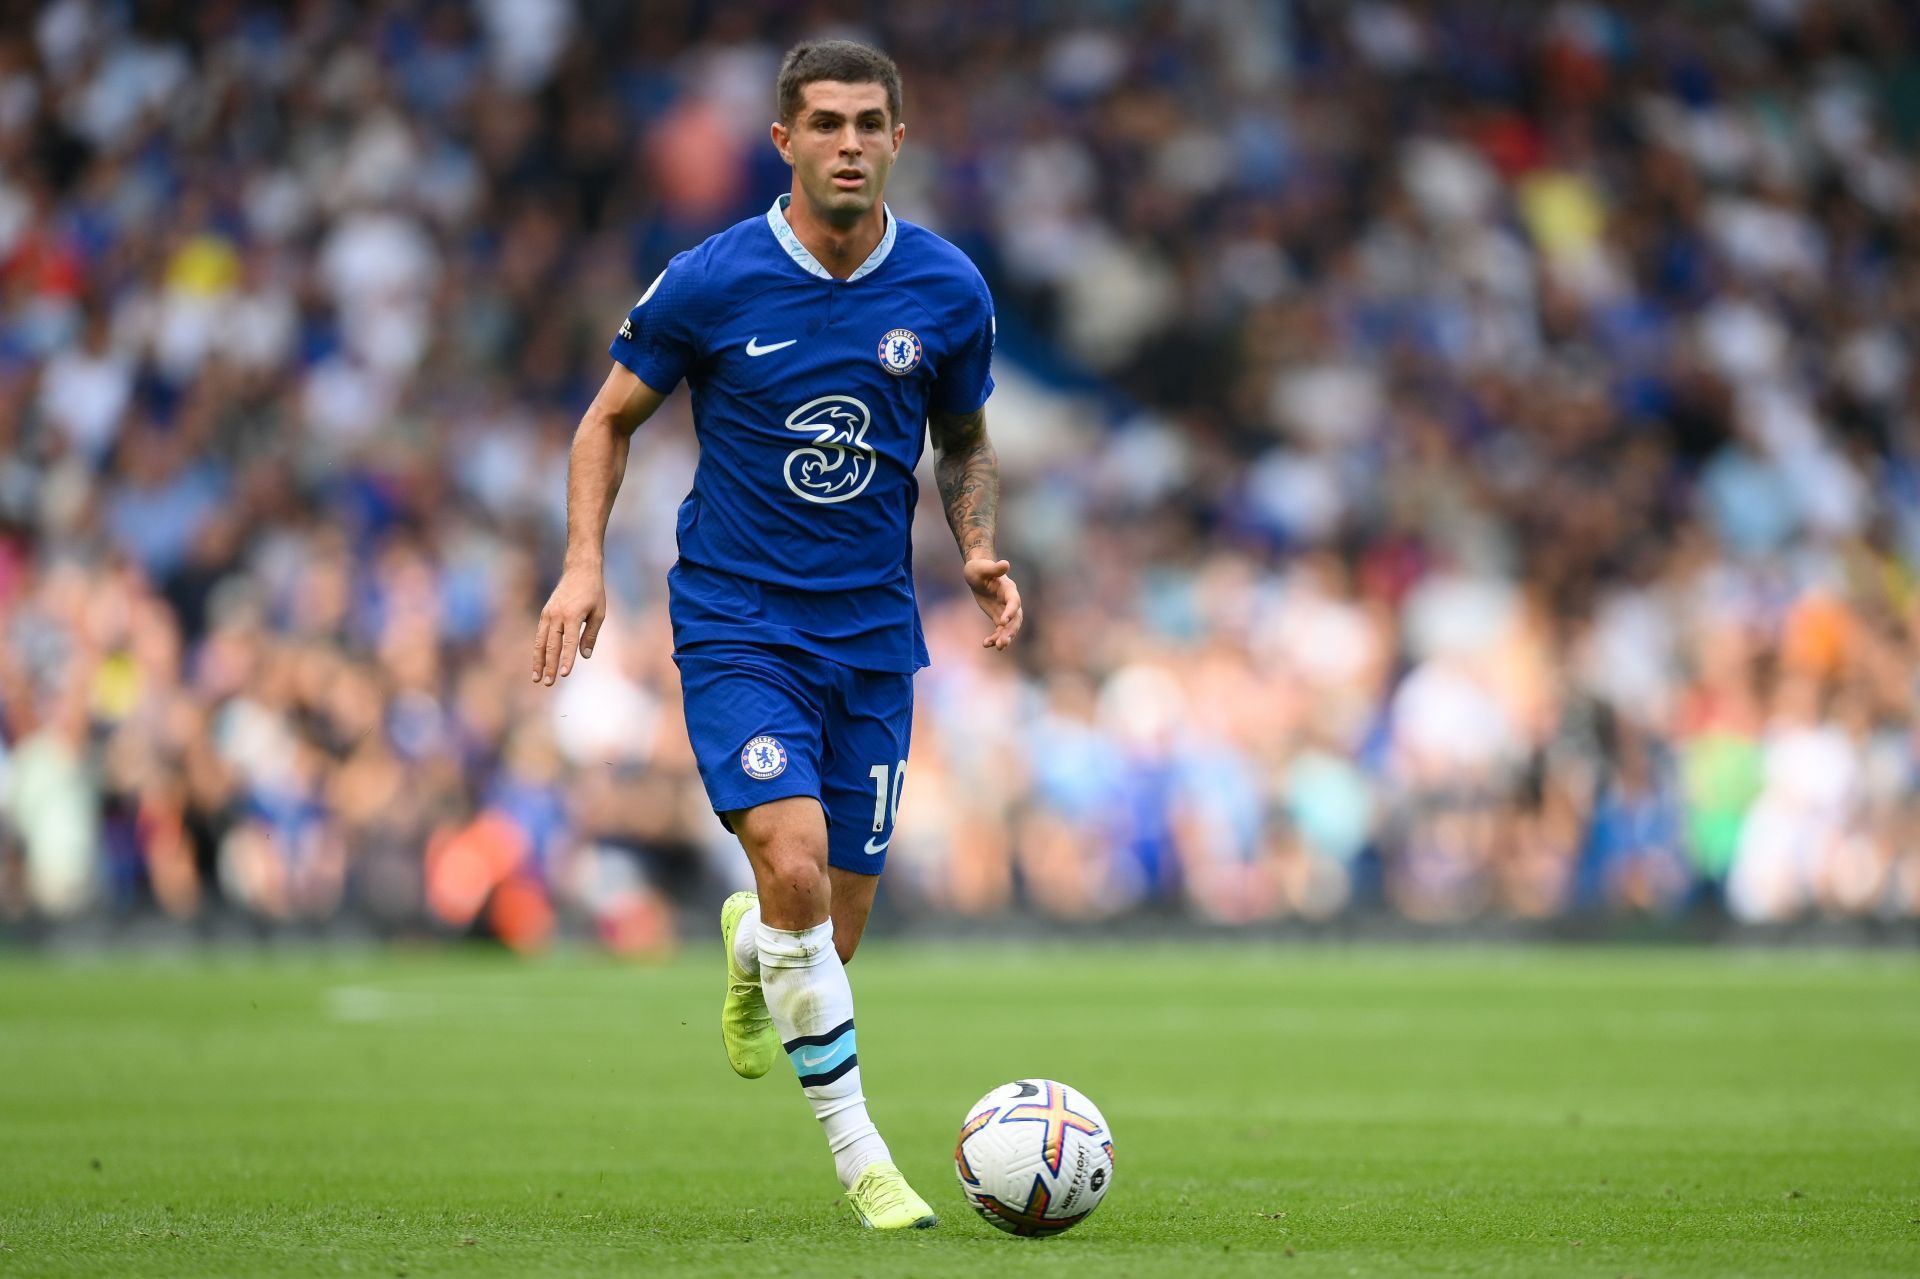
1034	1157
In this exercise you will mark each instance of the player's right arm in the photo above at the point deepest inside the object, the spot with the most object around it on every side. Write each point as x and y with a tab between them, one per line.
578	604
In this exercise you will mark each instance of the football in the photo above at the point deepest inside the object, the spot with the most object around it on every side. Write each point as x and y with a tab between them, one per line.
1034	1157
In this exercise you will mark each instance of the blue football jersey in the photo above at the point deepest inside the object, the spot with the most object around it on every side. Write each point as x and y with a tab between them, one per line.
810	402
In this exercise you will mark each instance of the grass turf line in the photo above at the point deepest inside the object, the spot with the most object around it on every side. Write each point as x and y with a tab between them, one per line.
1296	1112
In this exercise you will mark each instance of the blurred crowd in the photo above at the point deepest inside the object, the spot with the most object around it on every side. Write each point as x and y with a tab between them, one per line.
1462	460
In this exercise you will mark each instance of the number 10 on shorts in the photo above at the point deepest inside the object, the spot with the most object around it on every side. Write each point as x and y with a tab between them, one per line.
886	798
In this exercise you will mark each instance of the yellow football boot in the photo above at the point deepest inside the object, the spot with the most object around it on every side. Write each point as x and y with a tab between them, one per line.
884	1201
746	1026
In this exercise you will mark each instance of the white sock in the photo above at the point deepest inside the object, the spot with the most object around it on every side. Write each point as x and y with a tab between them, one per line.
746	942
812	1007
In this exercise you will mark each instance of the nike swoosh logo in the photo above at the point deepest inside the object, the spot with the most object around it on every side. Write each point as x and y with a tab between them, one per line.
875	851
813	1059
754	347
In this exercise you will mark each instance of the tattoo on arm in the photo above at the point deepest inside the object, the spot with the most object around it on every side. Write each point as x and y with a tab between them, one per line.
969	477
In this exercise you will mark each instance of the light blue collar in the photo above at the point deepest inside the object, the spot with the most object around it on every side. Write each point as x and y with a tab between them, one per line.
777	219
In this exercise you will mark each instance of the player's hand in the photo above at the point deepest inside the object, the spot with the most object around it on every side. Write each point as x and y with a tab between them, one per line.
998	598
572	617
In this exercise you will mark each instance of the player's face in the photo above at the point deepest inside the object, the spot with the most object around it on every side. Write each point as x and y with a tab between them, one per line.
841	144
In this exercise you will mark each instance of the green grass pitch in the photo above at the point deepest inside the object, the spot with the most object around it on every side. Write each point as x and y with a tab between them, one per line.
1275	1112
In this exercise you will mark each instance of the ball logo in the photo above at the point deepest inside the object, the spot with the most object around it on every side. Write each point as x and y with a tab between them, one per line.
900	352
764	758
838	464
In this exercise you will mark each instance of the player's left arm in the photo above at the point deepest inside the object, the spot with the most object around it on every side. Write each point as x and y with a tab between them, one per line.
968	472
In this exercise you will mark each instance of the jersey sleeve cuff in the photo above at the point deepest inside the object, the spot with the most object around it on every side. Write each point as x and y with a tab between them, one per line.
656	373
978	402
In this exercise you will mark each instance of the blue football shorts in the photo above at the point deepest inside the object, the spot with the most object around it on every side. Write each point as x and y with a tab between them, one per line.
770	723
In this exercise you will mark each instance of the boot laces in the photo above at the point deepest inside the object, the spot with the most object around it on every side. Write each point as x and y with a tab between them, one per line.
885	1193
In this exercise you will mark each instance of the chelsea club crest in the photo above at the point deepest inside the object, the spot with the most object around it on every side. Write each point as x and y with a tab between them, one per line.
764	758
900	352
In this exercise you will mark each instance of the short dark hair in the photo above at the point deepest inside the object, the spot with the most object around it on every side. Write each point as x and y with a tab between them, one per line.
847	61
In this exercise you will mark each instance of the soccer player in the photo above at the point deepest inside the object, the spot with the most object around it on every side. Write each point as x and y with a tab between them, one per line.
821	342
